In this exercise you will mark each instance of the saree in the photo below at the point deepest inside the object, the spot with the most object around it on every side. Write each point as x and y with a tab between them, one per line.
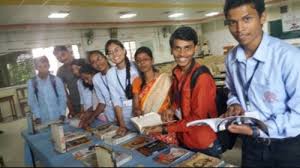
154	97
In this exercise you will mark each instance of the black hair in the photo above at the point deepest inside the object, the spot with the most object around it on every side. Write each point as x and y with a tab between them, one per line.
147	51
88	69
184	33
128	89
259	5
59	48
79	62
42	59
98	52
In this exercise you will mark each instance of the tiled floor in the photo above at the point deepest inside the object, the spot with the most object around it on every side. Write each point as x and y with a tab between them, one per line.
11	142
12	148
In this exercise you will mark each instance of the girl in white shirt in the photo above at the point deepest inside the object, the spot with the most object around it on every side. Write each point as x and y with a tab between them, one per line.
120	79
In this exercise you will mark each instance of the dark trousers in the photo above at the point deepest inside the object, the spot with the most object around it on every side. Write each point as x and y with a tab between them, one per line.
279	153
215	150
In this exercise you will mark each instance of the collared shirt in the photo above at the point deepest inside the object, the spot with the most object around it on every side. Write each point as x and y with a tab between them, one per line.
114	75
47	106
103	94
86	95
118	97
70	80
274	91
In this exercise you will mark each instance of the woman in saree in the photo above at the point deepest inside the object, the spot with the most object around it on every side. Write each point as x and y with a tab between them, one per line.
151	90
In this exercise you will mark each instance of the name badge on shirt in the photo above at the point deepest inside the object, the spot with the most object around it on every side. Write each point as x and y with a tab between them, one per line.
178	114
127	103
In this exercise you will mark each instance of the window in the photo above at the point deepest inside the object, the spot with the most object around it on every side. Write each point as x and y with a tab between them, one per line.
130	47
48	52
15	68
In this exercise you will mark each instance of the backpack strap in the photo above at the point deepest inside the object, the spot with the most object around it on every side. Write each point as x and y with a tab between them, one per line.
35	88
199	71
35	85
53	83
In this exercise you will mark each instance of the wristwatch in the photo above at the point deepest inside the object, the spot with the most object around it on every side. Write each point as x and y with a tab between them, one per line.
164	130
255	132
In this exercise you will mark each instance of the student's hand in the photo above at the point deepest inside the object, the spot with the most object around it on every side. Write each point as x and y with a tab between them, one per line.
234	110
155	129
62	118
38	121
121	131
240	129
71	115
138	113
167	115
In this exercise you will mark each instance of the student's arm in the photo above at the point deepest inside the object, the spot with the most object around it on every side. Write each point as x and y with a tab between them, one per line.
80	90
117	102
135	90
69	103
203	104
234	107
61	97
291	79
32	101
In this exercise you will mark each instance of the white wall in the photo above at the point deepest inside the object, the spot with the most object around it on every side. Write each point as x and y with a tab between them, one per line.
20	40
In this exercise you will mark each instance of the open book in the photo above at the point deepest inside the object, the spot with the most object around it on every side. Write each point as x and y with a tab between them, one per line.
147	120
220	124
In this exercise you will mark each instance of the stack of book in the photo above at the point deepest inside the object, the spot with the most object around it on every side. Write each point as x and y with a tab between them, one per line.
201	160
118	139
64	142
137	142
171	156
152	148
89	158
106	130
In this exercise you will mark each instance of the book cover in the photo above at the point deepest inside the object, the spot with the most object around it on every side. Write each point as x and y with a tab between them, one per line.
152	148
137	142
89	158
69	136
171	156
201	160
220	124
147	120
104	131
83	153
77	142
118	139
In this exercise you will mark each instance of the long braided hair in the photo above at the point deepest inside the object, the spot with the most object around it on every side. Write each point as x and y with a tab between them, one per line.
128	89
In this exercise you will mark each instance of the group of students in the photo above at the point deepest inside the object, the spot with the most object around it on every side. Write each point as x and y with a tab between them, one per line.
261	75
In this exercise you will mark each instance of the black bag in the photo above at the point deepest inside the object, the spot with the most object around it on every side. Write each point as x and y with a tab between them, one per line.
226	138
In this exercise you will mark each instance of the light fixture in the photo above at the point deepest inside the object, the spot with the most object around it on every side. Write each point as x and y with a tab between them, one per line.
175	15
127	15
212	14
58	15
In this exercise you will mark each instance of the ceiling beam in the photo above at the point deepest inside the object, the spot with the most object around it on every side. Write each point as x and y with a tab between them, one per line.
85	25
102	3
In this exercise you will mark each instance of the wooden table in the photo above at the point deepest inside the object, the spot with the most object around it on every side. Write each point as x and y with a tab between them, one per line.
11	101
